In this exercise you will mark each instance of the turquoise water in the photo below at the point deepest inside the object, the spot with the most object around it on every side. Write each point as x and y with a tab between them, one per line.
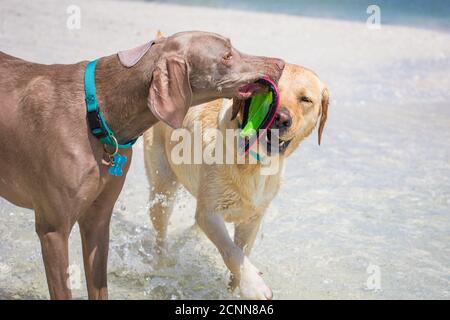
430	14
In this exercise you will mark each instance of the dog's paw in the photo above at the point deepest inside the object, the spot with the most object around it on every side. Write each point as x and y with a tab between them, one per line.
233	283
251	283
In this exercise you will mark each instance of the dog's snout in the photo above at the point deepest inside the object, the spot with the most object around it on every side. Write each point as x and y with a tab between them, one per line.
274	68
283	119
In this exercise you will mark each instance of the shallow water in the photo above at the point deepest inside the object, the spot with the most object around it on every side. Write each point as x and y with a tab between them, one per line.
376	193
366	197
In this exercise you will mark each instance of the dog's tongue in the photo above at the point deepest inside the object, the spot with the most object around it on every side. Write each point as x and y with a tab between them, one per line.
251	89
246	92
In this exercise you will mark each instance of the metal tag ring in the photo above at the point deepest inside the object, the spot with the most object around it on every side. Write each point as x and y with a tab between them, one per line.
116	148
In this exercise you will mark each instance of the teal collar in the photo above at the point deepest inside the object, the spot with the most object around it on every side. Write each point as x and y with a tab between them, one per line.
97	123
253	153
256	155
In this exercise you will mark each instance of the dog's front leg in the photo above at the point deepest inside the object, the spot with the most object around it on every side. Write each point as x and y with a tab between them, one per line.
245	233
244	237
250	281
94	230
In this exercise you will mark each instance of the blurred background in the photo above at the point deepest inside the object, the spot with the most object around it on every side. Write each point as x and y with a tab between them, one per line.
372	203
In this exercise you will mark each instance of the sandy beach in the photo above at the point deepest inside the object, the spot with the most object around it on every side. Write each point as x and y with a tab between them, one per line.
376	193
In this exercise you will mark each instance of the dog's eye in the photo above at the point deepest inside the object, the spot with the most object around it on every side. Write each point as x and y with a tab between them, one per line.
305	99
228	56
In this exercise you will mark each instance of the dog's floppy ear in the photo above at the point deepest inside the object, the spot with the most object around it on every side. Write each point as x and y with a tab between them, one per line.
129	58
170	93
324	112
238	105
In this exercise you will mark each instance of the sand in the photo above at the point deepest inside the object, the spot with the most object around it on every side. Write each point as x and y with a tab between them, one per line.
376	193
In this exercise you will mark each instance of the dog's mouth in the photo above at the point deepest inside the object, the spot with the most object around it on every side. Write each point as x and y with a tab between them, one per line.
273	144
251	89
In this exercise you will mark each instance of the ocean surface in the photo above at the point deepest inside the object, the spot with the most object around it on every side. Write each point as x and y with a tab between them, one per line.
364	216
419	13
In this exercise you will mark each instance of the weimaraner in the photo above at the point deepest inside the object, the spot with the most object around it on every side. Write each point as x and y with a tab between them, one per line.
50	161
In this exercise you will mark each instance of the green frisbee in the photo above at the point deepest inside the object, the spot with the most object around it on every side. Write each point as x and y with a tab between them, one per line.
259	114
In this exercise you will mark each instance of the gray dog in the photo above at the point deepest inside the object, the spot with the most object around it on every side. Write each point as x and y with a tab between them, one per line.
50	161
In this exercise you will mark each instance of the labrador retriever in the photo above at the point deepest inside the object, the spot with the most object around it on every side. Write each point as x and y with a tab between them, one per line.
232	192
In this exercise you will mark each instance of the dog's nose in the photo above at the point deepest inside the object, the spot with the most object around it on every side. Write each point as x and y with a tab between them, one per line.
283	119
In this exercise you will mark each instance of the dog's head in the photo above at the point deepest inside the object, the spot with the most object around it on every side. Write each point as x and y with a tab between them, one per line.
303	101
194	67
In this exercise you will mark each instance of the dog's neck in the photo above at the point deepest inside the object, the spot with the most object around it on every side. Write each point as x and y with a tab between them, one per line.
122	93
